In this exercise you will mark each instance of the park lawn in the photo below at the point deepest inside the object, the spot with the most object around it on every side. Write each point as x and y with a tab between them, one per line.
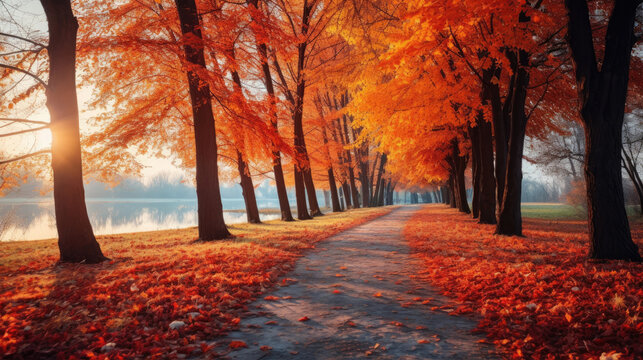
153	279
536	296
558	211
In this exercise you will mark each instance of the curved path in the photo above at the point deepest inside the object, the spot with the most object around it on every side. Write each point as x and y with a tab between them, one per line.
358	292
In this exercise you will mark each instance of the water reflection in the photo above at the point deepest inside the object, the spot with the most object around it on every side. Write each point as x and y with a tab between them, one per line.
31	219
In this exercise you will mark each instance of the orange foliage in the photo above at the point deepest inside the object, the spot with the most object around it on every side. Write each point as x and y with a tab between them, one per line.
538	296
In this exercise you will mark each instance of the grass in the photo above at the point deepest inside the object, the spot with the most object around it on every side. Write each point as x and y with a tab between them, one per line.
154	278
558	211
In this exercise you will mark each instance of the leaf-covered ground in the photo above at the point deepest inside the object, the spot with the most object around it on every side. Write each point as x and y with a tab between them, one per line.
538	295
155	279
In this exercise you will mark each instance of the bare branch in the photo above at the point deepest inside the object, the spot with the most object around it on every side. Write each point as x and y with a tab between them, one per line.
4	162
44	84
24	131
24	39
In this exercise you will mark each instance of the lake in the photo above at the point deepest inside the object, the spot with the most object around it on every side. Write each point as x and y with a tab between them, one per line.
33	219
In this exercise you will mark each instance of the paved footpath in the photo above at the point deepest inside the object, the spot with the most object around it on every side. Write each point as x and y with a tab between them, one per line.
358	292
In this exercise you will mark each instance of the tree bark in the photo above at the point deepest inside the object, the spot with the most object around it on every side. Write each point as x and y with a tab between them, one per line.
380	171
500	117
347	198
510	218
76	240
351	173
248	191
210	210
303	178
475	170
602	96
487	184
452	191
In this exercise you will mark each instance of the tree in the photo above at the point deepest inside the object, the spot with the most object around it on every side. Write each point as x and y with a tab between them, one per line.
76	240
75	235
210	210
602	95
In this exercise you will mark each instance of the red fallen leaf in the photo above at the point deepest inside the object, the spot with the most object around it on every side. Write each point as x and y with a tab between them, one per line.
417	299
343	268
339	275
336	292
271	298
397	323
378	294
205	347
235	344
351	324
271	322
420	327
568	317
302	319
423	341
265	348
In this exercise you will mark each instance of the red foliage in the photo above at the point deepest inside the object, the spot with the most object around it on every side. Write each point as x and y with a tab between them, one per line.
538	295
124	308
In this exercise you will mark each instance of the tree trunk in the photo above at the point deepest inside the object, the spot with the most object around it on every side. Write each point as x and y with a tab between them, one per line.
389	193
630	167
363	178
300	195
76	240
380	171
347	197
510	218
210	209
303	180
333	190
452	191
351	173
247	188
310	190
487	193
461	165
602	96
248	191
280	183
380	196
475	169
500	118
